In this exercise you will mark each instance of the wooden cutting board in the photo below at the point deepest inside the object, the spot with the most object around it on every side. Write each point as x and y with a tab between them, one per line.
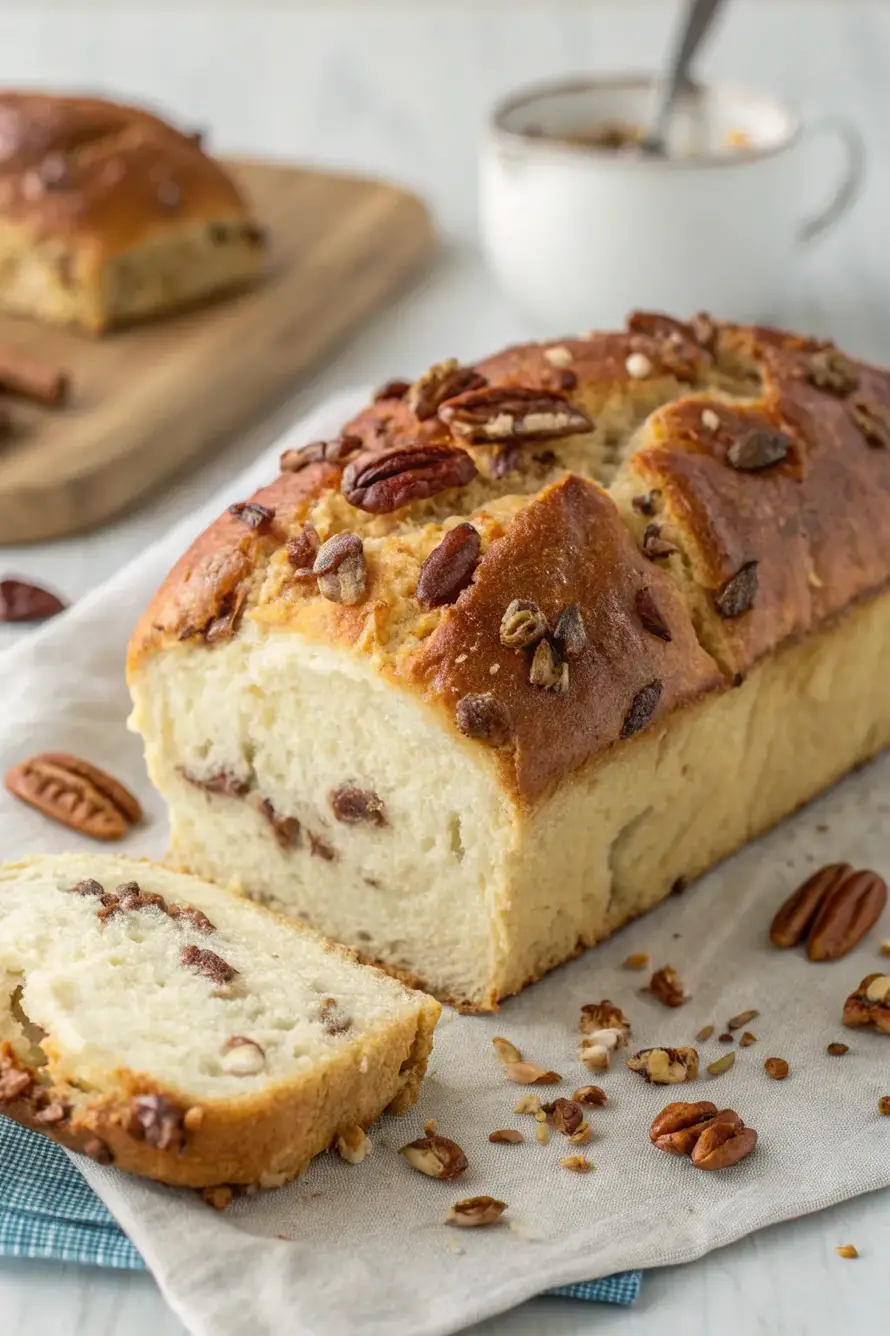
148	400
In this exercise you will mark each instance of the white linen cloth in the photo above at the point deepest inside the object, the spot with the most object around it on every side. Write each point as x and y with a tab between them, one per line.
363	1249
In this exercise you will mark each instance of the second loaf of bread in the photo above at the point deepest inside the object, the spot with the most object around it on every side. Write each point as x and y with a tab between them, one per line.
533	641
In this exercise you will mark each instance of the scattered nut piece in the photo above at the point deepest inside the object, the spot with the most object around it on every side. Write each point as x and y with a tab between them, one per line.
704	1033
564	1115
736	1022
506	1051
602	1016
582	1135
665	1066
352	1144
747	1039
639	960
591	1096
884	1105
638	366
528	1104
219	1197
869	1004
846	1250
838	1050
475	1211
429	1127
507	1135
594	1056
542	1134
884	949
529	1073
777	1068
577	1164
666	986
726	1038
721	1065
435	1156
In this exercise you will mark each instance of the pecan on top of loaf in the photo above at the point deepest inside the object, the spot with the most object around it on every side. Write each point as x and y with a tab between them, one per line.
684	487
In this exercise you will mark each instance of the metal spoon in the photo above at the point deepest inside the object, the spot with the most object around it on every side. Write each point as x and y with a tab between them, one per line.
699	16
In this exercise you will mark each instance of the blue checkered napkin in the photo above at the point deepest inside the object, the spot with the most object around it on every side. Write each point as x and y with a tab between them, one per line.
48	1210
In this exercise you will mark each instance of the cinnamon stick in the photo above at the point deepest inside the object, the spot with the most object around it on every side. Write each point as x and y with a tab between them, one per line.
22	374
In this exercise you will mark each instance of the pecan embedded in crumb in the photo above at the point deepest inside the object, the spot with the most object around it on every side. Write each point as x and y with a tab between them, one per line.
513	412
654	546
645	504
829	369
331	1018
642	708
393	389
872	420
340	569
435	1156
319	848
98	1150
757	449
328	452
737	595
481	716
355	806
158	1120
475	1211
302	551
242	1056
207	963
549	670
194	916
380	483
255	516
352	1144
449	568
648	612
13	1084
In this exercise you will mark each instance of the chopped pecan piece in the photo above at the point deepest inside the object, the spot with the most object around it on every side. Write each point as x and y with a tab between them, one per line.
654	546
255	516
665	1066
649	615
352	1144
356	806
302	551
475	1211
317	452
340	568
757	449
332	1018
223	781
737	595
637	960
207	963
837	1050
777	1068
742	1019
666	986
522	625
384	482
286	829
506	1051
721	1065
590	1095
194	916
320	848
88	886
14	1083
479	715
570	633
242	1056
435	1156
872	421
642	708
393	389
446	380
847	1251
158	1121
829	369
507	1135
884	1105
503	412
869	1004
529	1073
549	670
564	1115
449	568
722	1145
23	602
602	1016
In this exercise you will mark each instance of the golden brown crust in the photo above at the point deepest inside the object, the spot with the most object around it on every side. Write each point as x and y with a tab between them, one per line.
807	534
106	174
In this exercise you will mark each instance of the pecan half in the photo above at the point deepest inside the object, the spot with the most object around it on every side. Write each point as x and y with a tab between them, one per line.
738	593
666	986
449	567
340	568
384	482
207	963
478	715
665	1066
76	793
869	1004
475	1211
503	412
443	381
317	452
848	910
157	1120
23	602
570	633
356	806
255	516
722	1145
522	625
683	1140
680	1116
654	546
829	369
649	615
642	708
758	449
435	1156
872	421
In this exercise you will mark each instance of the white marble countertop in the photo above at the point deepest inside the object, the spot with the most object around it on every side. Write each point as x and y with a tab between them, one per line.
402	91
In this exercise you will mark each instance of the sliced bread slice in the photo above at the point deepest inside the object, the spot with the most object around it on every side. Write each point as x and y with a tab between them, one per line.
157	1022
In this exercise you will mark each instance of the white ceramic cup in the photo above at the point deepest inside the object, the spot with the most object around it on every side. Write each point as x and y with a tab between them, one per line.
579	235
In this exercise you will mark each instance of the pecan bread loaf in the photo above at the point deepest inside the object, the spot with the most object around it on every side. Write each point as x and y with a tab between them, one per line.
530	644
165	1026
108	214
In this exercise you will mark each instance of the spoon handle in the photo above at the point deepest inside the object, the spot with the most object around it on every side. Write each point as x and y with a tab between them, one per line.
699	17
